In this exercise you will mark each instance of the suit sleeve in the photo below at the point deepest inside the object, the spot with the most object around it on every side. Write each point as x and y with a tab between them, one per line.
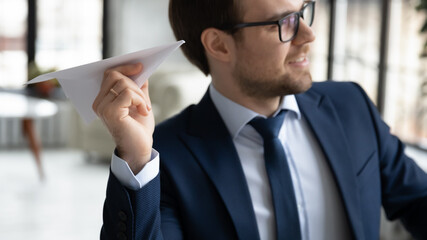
404	183
137	214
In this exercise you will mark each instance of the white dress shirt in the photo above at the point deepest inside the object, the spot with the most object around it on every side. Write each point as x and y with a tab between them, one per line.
320	208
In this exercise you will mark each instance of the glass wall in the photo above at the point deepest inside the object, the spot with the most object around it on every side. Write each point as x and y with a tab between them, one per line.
13	56
406	103
319	48
356	58
357	43
69	33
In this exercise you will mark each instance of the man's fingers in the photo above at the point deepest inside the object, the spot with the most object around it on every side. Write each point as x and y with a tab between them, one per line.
127	99
113	104
118	75
119	92
123	84
108	82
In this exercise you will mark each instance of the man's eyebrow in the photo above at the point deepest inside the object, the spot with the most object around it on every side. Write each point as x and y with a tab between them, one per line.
284	14
279	16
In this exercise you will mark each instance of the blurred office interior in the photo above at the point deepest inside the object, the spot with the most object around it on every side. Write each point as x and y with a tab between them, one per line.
376	43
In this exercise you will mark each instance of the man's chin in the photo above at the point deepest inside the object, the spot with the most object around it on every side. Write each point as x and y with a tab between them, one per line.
306	85
301	84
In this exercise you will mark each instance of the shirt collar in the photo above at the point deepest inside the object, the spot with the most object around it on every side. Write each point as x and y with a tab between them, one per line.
236	116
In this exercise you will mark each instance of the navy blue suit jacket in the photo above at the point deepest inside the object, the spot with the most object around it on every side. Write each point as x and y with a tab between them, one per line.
204	194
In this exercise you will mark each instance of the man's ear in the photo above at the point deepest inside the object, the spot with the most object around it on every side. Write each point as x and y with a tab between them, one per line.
218	44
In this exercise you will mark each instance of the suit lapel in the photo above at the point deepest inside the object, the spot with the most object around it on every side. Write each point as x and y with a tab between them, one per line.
211	143
213	147
324	122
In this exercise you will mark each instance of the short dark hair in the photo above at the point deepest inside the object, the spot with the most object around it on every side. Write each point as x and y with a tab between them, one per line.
189	18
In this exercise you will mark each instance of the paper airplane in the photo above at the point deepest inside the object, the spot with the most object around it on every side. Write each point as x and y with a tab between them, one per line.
81	84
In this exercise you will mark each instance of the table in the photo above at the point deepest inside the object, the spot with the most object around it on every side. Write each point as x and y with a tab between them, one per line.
21	106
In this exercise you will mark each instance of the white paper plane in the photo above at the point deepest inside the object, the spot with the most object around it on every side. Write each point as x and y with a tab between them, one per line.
81	84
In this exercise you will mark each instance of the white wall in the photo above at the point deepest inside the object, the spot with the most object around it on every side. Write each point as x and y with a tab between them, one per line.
139	24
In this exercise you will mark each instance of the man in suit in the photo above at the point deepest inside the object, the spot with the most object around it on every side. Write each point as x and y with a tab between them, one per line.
266	154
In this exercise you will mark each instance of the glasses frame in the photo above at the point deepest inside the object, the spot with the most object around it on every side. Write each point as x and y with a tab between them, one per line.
280	21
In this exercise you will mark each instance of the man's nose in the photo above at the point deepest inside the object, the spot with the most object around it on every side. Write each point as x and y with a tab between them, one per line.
305	34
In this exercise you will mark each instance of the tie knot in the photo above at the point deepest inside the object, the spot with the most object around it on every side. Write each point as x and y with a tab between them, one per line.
268	128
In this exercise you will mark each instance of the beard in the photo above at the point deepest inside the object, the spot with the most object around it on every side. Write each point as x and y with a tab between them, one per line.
253	84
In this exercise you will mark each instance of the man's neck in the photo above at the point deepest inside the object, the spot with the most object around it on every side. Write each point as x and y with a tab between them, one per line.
263	106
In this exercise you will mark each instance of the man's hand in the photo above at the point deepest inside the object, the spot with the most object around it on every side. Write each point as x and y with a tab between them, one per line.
125	110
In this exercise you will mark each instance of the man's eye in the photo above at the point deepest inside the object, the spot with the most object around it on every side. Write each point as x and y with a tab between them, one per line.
272	27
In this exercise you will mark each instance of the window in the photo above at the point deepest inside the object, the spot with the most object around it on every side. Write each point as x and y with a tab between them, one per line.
69	33
406	106
13	56
357	58
357	43
319	49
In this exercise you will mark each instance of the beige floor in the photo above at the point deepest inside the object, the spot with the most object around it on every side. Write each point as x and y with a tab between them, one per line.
68	205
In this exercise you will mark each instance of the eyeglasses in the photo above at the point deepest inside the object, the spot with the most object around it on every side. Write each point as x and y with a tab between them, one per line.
288	25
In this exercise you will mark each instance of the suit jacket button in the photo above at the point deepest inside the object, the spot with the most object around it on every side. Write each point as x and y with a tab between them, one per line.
122	216
121	236
121	226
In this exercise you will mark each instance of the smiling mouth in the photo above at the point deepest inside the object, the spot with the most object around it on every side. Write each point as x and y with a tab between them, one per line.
298	60
301	62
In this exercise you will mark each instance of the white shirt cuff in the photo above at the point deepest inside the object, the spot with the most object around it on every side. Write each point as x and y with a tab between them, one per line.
124	174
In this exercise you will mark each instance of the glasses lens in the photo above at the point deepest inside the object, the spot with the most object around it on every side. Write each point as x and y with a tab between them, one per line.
289	26
308	14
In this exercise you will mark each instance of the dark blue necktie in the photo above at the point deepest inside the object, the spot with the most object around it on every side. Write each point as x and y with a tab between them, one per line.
287	221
